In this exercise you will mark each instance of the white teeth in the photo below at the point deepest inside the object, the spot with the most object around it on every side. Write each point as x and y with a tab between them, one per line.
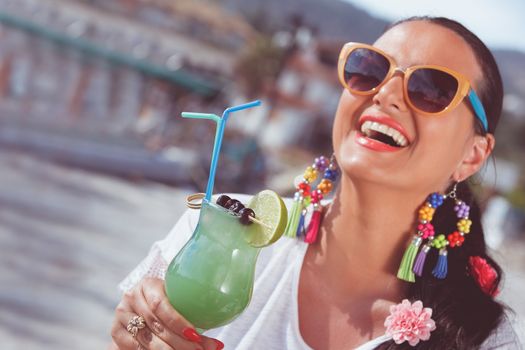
368	126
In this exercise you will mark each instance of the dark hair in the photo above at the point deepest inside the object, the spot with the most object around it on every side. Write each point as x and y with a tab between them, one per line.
464	315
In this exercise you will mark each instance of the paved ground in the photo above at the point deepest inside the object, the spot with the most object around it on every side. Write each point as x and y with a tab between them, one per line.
67	237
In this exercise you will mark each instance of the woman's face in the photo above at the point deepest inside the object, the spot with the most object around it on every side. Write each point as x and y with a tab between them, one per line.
438	146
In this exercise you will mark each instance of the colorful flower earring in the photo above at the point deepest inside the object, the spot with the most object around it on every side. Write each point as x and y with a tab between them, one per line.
304	197
410	265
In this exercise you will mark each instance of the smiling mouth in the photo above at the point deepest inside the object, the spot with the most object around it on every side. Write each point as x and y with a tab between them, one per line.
384	134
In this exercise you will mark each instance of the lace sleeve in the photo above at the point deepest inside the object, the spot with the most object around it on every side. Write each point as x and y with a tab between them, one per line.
504	337
161	252
153	265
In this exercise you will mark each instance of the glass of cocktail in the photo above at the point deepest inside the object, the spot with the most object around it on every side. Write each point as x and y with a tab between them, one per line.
210	280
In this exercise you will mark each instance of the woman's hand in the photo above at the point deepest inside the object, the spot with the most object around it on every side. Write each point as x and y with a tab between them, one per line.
164	328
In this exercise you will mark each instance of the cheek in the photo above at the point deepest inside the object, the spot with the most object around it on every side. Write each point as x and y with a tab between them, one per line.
349	109
443	143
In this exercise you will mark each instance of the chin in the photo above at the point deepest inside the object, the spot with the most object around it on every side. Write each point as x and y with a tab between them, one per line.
362	166
352	162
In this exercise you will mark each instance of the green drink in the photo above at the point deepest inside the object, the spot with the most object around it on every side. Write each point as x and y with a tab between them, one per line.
210	281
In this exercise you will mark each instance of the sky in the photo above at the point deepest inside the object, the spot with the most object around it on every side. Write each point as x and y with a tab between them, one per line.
499	23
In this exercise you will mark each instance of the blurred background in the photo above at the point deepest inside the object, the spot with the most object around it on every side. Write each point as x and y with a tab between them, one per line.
95	160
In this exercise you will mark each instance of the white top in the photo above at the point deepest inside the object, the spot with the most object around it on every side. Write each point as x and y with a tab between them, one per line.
272	317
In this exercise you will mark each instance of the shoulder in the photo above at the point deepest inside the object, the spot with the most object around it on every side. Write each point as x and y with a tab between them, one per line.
503	337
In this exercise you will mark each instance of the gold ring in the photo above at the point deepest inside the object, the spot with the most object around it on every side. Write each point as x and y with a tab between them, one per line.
190	200
135	324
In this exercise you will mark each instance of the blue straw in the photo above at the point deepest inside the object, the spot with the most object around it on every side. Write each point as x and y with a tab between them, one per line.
221	124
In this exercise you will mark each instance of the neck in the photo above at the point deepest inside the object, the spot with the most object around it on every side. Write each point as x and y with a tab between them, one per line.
364	234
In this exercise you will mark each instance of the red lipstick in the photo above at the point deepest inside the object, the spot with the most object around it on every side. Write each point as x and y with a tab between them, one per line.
375	145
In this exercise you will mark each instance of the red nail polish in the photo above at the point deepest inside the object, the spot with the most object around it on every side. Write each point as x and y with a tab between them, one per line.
192	335
219	343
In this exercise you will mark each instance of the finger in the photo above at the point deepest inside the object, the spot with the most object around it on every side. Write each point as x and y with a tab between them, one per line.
176	341
144	337
124	341
122	338
119	333
212	344
141	338
158	303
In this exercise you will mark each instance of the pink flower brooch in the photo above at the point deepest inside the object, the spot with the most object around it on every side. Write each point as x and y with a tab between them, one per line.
409	322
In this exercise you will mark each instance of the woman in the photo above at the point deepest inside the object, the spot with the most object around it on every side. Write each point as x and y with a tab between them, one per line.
338	292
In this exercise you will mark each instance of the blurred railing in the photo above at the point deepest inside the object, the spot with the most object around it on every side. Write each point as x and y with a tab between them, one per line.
102	91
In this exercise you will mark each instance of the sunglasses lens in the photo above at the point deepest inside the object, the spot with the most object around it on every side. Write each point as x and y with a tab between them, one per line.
431	90
365	69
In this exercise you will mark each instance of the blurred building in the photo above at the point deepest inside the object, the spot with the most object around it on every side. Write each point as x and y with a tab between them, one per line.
104	82
306	93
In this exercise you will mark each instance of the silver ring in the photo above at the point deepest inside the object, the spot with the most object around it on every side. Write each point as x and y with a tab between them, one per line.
135	324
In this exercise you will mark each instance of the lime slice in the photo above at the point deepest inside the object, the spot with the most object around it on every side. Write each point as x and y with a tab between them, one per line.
269	209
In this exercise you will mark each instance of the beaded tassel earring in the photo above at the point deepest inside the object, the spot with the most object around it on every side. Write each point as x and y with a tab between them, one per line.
412	265
304	197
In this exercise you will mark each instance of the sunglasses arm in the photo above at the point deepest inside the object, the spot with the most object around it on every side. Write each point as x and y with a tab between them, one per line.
478	108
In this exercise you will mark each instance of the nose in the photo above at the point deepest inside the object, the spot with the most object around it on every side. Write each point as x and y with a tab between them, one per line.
390	95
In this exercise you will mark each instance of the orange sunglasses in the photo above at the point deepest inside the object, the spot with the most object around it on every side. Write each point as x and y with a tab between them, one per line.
428	89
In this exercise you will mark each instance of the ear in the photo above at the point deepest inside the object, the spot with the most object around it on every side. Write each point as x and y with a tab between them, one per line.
475	157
